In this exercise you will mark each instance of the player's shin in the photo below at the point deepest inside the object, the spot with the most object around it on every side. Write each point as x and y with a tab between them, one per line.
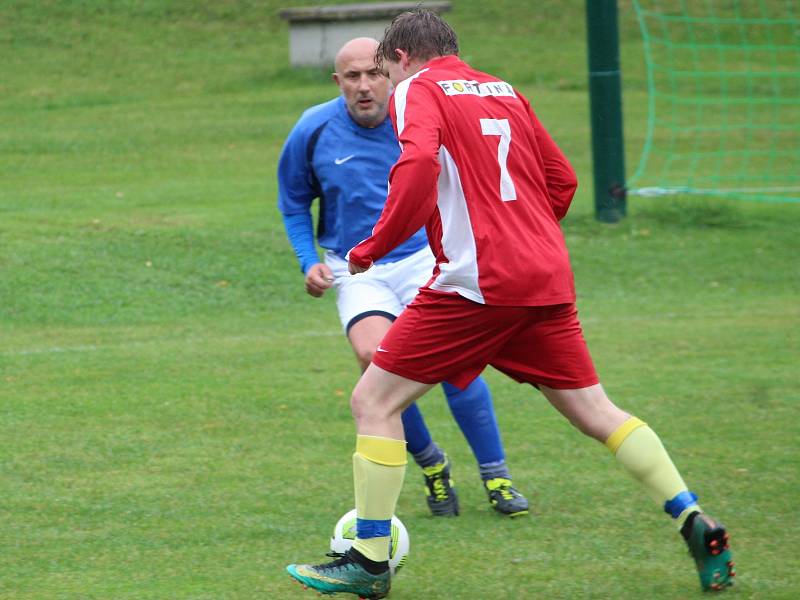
640	451
379	465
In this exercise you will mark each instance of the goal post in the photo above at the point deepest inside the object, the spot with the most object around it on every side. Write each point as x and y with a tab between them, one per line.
605	93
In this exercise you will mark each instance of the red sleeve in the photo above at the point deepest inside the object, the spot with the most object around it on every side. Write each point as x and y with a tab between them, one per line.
559	175
414	177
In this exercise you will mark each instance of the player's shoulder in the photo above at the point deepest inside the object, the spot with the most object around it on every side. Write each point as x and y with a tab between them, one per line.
402	88
450	76
318	115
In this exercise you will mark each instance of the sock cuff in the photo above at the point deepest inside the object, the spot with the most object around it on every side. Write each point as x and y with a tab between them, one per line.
382	450
680	503
372	528
431	455
615	440
493	470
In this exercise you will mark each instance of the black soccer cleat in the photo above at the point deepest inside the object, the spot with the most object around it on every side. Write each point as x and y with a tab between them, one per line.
439	489
505	498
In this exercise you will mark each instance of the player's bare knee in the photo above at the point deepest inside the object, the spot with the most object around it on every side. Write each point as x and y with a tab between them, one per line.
360	404
364	357
588	428
366	409
599	424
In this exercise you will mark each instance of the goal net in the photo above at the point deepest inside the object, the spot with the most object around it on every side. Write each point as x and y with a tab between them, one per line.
724	99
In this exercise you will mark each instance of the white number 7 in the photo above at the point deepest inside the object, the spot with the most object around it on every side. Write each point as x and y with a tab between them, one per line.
502	128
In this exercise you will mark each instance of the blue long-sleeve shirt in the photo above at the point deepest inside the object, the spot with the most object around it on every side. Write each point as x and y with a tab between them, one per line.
330	157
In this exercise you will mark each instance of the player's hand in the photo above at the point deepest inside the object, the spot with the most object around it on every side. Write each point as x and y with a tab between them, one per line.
356	269
318	279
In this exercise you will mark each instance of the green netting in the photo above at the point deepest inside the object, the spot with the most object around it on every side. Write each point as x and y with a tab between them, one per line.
724	98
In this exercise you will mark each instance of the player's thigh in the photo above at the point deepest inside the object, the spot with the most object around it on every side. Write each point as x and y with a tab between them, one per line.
366	334
378	396
549	349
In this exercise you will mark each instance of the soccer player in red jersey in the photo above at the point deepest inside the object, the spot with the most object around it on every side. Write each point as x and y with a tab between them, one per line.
484	177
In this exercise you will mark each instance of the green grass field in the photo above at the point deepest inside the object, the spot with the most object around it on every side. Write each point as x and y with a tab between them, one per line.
174	420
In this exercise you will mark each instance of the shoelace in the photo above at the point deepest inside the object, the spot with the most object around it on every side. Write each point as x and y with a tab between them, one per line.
435	477
504	488
342	562
439	489
505	492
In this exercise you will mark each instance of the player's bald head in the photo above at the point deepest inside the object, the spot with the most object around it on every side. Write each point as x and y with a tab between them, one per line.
363	85
358	49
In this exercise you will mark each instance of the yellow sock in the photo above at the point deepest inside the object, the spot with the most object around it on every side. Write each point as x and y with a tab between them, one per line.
379	465
640	451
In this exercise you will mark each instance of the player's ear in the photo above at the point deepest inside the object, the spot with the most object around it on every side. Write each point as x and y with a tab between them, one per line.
402	58
335	77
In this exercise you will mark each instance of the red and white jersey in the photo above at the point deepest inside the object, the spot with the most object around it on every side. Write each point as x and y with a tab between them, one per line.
479	170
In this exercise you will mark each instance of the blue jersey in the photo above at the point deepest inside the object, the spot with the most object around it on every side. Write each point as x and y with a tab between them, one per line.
329	156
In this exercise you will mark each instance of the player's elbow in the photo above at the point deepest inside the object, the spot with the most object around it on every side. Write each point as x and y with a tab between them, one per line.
561	195
572	184
568	185
418	163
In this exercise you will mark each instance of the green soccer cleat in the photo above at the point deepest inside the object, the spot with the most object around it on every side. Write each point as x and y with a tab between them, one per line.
343	575
708	545
505	498
441	494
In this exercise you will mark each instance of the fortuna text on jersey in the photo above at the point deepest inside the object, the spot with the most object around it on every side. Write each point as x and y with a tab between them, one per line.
455	87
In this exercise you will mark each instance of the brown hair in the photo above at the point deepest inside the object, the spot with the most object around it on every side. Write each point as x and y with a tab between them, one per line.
421	33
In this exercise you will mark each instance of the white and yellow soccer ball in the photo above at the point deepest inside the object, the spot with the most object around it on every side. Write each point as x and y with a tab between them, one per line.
399	543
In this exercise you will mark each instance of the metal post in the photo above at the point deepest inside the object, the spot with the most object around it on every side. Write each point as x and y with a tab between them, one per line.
605	90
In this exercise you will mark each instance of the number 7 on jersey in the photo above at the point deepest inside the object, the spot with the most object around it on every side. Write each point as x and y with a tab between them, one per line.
502	128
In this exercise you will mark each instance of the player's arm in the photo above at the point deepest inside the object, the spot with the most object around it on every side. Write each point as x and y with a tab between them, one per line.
412	180
559	175
300	230
296	192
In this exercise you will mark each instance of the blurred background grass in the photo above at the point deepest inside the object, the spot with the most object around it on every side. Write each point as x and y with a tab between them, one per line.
173	406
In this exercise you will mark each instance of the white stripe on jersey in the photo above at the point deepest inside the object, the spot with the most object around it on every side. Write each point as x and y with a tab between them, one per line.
460	274
400	93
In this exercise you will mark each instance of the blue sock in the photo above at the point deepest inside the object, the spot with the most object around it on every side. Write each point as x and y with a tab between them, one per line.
474	413
418	438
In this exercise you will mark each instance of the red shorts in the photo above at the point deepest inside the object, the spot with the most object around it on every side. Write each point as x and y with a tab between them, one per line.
444	337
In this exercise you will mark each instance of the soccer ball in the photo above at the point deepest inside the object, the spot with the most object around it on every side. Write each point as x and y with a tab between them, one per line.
345	532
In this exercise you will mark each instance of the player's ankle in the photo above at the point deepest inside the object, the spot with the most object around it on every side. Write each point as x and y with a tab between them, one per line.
686	528
370	566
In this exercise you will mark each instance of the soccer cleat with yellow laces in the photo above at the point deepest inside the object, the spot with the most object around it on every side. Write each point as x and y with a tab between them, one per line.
441	494
505	498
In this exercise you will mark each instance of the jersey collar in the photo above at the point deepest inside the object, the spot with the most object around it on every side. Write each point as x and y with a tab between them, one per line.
451	60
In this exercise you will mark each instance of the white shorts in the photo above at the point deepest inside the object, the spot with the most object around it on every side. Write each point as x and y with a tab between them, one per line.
385	289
